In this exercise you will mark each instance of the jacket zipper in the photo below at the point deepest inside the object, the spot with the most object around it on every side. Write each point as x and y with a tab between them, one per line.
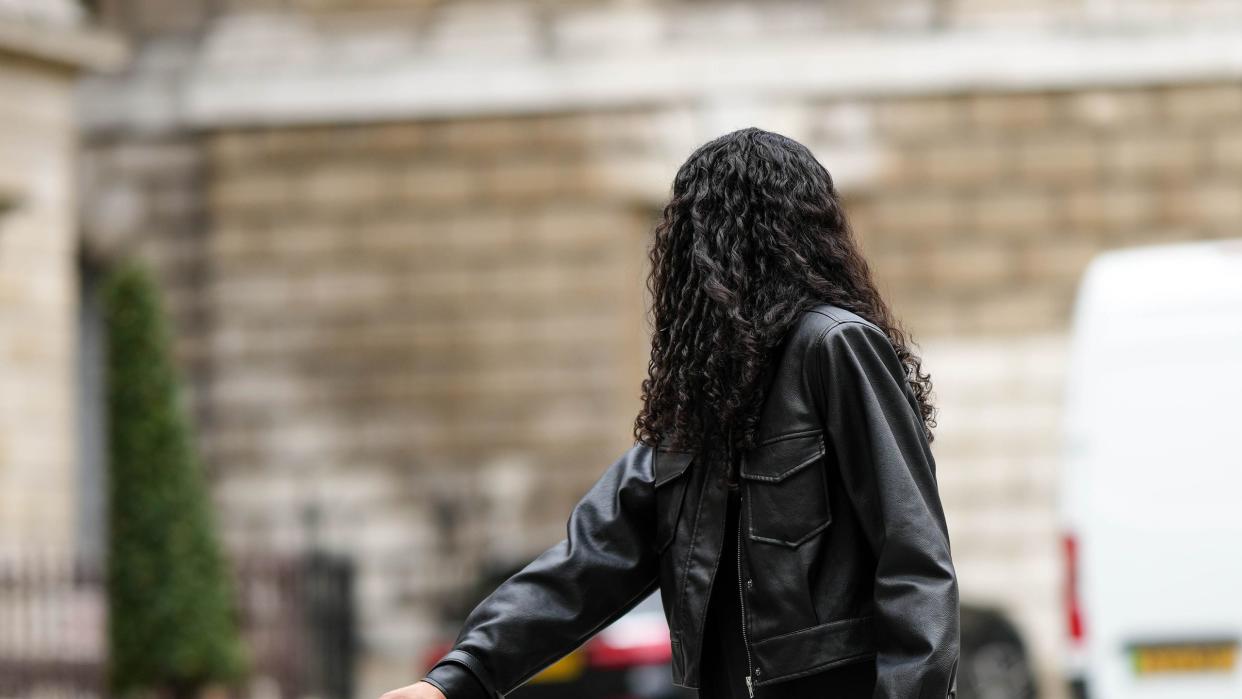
741	596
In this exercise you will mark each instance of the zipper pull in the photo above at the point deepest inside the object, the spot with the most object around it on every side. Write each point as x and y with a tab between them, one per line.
750	690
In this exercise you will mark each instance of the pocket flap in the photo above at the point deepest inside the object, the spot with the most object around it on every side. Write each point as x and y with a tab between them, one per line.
669	464
823	646
782	456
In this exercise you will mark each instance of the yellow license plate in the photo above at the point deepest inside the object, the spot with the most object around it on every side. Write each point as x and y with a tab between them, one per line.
566	669
1209	656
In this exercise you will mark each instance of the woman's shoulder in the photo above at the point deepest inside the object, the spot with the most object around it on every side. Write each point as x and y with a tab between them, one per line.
823	319
834	335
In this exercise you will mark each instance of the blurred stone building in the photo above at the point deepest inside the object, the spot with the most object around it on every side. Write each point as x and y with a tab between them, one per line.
44	45
403	241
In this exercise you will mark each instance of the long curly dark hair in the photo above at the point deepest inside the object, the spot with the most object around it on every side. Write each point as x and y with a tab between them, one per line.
753	235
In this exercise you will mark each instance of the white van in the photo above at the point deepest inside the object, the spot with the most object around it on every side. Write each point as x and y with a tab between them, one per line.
1151	487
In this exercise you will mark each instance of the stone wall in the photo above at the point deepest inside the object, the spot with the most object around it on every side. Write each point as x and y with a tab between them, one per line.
430	332
38	308
44	507
484	16
144	196
985	208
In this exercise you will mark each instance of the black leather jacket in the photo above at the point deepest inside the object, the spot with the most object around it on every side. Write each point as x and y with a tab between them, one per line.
845	544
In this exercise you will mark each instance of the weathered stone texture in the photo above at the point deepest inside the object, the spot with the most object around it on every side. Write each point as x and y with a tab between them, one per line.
994	209
38	307
402	313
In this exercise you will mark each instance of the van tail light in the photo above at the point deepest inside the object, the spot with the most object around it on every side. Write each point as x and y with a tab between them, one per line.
1073	598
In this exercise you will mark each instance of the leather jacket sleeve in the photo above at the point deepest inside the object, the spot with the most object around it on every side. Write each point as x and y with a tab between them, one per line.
874	426
453	679
605	565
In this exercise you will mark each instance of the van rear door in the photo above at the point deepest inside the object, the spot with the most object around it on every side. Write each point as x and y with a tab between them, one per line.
1152	484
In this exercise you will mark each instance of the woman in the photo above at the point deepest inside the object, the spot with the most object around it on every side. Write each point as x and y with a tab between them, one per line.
780	492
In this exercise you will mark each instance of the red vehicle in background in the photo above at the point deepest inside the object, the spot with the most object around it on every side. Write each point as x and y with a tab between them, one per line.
627	660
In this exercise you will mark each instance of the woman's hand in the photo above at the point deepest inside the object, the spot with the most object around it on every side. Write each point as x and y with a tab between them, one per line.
418	690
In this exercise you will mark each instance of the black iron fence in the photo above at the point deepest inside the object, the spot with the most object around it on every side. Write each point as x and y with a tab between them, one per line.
296	615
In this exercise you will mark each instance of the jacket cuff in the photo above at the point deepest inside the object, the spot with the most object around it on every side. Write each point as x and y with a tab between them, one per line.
456	681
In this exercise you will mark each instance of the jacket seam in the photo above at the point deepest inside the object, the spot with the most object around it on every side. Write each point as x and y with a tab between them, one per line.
480	673
710	584
820	450
844	660
694	532
842	623
787	435
794	543
817	381
839	321
660	545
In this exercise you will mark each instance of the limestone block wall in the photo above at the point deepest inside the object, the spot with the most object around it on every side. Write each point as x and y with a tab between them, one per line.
985	207
430	333
38	307
143	195
731	17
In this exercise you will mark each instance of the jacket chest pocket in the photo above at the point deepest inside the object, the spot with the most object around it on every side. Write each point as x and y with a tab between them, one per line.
786	488
670	468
